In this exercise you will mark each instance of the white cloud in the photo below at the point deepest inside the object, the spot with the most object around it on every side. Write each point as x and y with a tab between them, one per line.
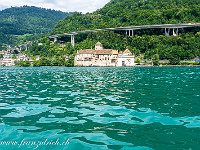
63	5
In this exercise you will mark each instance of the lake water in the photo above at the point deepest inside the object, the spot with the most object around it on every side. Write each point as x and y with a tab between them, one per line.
100	108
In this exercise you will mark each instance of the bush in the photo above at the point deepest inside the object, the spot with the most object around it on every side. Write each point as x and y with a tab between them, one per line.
174	61
155	59
189	63
26	63
137	61
36	64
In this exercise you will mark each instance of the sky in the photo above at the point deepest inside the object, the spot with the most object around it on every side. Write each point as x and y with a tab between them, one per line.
83	6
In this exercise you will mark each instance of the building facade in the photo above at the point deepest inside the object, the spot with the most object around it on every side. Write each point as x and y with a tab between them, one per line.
126	59
9	62
101	57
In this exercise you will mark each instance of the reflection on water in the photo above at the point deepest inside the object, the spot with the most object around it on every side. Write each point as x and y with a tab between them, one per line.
101	108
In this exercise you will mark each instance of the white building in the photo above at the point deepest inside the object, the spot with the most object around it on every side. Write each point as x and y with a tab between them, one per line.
22	57
101	57
9	62
40	44
126	59
38	58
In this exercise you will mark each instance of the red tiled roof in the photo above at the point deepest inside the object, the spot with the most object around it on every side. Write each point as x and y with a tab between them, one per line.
105	51
98	43
86	51
127	51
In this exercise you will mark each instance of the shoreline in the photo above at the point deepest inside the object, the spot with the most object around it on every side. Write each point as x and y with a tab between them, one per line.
110	66
169	66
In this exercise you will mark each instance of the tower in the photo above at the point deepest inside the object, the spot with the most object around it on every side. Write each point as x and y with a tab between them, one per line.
98	46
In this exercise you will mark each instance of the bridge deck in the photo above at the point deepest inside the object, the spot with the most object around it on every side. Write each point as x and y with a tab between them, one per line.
168	26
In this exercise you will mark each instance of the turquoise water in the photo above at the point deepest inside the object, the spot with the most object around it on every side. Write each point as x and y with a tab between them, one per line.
100	108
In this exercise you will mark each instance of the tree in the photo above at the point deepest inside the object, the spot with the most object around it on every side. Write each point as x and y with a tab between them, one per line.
70	62
1	55
36	63
174	60
26	63
137	61
155	59
44	62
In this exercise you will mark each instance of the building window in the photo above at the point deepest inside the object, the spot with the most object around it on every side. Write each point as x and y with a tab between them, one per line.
113	60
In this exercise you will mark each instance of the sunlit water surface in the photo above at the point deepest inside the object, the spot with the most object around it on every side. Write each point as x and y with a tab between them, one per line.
100	108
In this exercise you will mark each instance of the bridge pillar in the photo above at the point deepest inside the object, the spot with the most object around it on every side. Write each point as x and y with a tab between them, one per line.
128	32
167	32
175	33
55	39
73	40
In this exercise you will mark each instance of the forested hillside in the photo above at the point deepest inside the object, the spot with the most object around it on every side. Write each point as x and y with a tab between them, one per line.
133	12
136	12
26	20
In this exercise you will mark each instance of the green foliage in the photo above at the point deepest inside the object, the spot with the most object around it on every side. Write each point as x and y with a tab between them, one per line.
150	42
45	49
36	63
27	38
155	59
189	63
132	12
136	12
185	46
29	19
4	39
26	63
173	60
70	62
22	63
57	61
137	61
44	62
32	22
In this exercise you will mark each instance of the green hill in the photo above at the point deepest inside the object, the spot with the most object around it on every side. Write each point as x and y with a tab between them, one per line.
134	12
29	19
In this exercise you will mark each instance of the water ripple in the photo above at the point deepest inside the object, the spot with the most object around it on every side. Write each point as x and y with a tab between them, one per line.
102	108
